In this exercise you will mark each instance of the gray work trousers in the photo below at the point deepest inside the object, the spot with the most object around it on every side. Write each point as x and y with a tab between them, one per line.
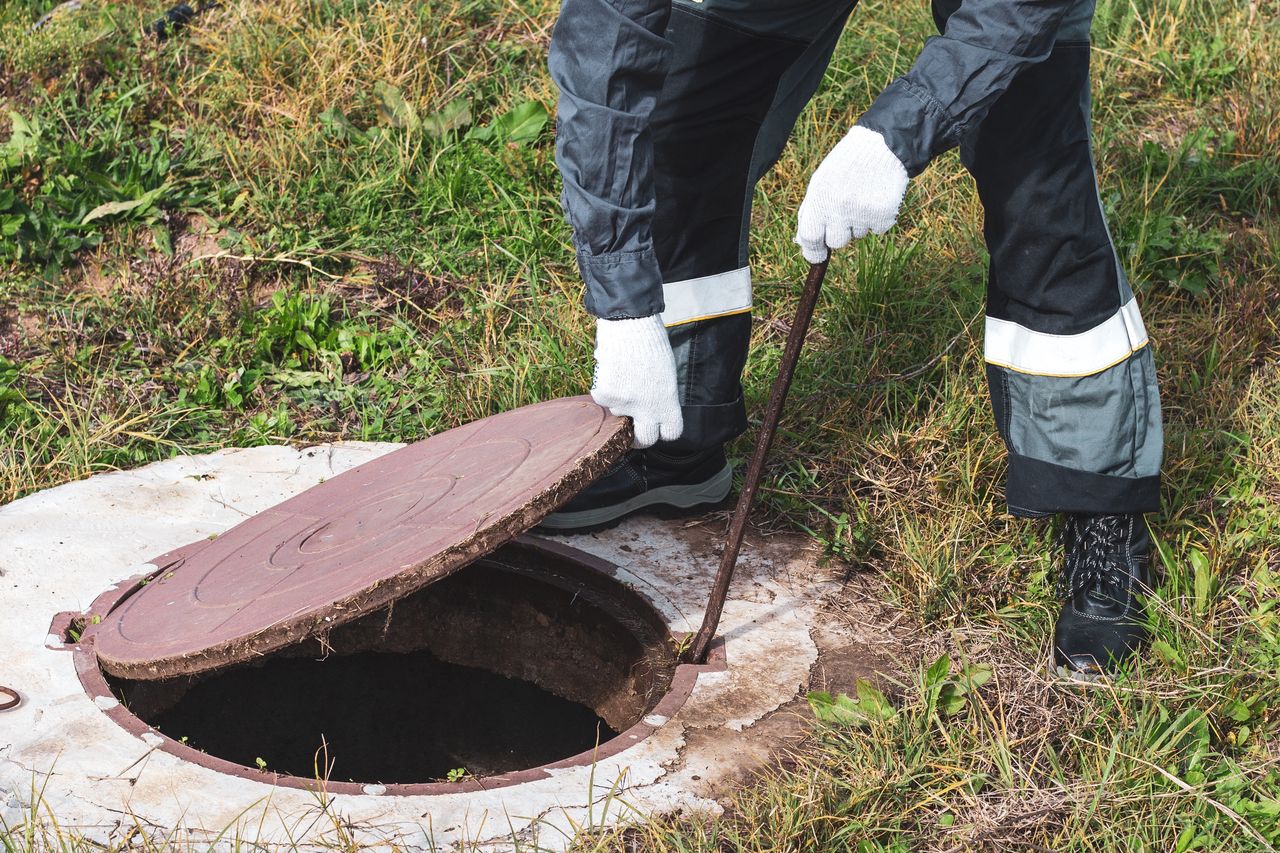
1071	377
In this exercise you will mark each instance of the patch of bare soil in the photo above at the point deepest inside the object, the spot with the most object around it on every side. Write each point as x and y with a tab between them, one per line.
8	331
387	283
144	269
199	239
772	741
1168	128
98	277
858	636
18	332
862	636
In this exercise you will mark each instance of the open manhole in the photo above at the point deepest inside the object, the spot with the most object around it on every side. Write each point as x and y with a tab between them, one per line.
387	630
534	655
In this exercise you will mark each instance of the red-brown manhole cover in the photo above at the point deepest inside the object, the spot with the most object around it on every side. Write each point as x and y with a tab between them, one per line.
359	541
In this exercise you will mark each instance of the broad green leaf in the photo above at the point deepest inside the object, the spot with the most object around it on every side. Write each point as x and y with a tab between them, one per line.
844	710
1188	839
951	699
290	378
160	236
455	116
335	122
1202	579
837	710
1263	807
937	671
24	136
521	124
525	122
1166	652
978	675
393	109
112	208
1238	711
872	702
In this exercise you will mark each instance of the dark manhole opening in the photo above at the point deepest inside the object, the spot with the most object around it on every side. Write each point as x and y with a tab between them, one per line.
521	659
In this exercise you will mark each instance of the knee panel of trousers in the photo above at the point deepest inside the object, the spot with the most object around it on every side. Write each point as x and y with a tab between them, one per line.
1053	266
1045	107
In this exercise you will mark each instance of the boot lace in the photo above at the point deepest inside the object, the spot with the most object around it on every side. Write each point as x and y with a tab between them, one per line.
1094	547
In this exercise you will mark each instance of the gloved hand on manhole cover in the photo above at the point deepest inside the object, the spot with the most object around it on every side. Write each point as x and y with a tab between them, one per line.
635	377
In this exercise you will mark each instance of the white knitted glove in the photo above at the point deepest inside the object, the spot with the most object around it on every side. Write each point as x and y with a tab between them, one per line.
636	377
856	189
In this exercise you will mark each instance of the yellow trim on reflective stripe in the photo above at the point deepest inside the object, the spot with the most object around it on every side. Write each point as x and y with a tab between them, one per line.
1082	354
1122	360
746	310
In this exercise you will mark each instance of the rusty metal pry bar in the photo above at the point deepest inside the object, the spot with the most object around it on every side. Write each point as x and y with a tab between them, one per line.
697	650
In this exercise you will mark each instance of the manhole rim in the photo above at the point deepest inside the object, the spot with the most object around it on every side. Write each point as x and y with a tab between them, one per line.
95	686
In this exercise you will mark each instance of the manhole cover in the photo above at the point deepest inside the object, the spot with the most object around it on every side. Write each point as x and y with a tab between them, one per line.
359	541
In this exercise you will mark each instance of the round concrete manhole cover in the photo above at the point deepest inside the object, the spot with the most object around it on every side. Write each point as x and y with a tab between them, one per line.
359	541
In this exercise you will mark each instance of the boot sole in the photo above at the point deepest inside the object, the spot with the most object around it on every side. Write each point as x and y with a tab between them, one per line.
664	501
1079	676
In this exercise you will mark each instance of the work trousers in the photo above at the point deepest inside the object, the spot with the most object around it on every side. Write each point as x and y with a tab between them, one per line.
1070	372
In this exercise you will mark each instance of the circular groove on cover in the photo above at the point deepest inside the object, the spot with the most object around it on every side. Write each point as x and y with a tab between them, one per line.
359	541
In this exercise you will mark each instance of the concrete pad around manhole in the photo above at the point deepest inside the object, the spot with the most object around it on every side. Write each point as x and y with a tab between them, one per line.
65	546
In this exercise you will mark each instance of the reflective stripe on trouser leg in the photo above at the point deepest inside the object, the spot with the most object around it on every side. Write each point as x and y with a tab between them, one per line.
706	297
1070	369
738	80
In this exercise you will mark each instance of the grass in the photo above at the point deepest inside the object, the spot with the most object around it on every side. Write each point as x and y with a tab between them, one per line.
306	220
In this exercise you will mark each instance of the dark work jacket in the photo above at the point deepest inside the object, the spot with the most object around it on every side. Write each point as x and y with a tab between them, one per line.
609	59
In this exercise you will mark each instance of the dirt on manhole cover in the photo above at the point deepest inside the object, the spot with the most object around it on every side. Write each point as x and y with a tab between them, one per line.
359	541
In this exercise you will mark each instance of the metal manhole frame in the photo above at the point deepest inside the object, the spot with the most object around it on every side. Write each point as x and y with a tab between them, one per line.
95	686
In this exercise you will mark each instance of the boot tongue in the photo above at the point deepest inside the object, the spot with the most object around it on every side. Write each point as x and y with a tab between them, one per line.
1103	591
1105	596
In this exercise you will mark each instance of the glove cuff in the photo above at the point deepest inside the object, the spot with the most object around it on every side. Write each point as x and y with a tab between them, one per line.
633	337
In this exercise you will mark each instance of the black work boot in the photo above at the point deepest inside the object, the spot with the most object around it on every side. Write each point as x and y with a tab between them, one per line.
646	480
1107	566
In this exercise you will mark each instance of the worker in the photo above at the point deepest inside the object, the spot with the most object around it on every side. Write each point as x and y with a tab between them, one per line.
670	111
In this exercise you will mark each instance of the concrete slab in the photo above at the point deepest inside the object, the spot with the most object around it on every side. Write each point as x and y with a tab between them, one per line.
66	545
